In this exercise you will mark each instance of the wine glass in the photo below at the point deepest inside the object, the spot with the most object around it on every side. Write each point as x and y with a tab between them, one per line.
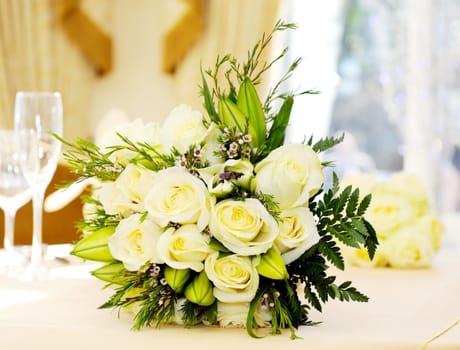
42	112
14	190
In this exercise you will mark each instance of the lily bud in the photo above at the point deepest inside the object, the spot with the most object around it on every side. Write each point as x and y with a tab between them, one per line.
111	272
272	266
176	278
249	103
199	291
95	245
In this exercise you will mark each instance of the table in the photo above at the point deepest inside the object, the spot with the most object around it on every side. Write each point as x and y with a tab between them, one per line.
405	310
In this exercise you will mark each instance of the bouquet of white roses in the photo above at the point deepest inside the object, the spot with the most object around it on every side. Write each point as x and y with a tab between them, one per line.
211	218
408	228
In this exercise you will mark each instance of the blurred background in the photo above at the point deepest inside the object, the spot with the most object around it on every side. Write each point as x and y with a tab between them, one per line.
388	72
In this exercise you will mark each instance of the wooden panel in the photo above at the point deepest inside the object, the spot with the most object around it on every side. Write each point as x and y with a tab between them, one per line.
58	227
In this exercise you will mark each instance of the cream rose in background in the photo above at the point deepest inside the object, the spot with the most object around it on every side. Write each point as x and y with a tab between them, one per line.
126	194
114	201
182	128
408	229
136	131
135	182
134	242
244	227
292	174
409	248
179	197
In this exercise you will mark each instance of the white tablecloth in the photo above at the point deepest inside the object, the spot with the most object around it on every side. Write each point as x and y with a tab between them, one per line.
406	308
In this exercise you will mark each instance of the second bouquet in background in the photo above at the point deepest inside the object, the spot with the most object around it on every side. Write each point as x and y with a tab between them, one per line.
408	228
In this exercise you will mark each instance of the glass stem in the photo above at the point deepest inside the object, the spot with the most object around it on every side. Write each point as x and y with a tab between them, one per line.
37	249
8	240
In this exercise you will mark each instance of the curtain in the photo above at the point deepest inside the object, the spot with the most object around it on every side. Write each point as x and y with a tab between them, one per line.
36	55
231	26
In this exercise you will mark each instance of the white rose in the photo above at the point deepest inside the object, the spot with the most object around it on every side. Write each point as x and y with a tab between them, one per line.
184	248
291	173
365	182
182	128
410	186
359	257
408	249
135	182
135	131
297	233
179	197
114	200
236	314
433	228
232	314
134	242
389	210
235	277
244	227
221	179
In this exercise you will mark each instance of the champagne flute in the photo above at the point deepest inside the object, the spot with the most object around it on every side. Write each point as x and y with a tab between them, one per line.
14	190
41	112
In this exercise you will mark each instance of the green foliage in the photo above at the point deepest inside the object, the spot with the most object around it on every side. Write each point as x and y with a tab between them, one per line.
325	143
87	160
193	313
147	155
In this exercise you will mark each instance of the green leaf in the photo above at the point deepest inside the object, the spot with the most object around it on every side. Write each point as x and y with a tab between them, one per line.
371	240
95	246
199	291
364	205
327	143
249	104
355	235
352	203
111	272
342	200
359	225
250	321
331	251
272	266
176	278
231	116
208	101
312	298
280	123
345	292
216	245
342	232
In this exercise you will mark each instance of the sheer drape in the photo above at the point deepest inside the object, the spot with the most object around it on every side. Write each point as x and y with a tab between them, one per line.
36	55
231	26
